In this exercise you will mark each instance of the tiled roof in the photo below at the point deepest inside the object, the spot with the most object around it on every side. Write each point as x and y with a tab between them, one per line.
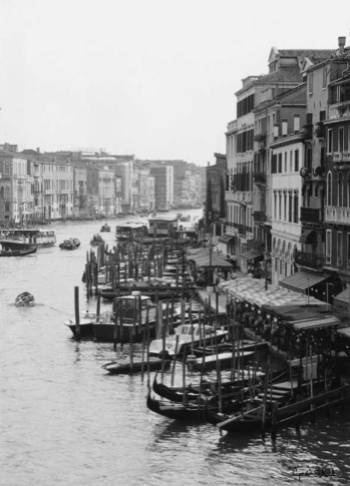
313	54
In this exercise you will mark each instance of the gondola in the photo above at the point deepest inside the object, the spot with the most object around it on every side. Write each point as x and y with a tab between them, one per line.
125	366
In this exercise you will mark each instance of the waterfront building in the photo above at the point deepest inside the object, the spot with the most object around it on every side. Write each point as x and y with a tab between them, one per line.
164	186
106	192
333	128
244	216
80	209
16	188
214	210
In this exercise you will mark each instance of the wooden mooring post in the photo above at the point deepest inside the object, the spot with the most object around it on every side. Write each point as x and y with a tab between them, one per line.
76	311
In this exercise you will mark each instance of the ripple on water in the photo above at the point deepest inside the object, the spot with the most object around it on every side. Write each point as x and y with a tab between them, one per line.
63	421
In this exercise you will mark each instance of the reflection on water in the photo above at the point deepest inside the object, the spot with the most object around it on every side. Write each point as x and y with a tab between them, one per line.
64	421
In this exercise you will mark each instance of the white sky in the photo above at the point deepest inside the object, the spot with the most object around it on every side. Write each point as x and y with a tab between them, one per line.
154	78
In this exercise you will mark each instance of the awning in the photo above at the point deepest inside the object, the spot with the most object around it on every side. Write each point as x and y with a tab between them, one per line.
226	238
343	297
301	281
310	324
254	254
344	331
203	258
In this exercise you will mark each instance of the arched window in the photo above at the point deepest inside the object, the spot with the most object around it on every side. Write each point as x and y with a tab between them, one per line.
339	190
329	189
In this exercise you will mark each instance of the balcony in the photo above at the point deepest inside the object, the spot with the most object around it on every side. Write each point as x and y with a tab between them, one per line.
339	110
339	157
337	215
310	215
259	178
310	260
259	216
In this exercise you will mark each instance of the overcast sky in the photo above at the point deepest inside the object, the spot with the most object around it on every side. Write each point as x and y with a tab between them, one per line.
154	78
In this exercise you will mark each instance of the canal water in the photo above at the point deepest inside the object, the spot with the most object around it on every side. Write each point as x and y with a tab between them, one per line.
63	421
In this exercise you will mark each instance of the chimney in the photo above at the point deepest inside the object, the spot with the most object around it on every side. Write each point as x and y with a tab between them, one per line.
341	44
38	150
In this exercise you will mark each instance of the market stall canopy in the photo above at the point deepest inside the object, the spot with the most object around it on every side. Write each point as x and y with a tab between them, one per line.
253	291
301	281
313	324
202	258
343	297
344	331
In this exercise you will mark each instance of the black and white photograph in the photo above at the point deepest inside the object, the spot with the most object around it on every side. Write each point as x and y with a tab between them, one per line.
174	243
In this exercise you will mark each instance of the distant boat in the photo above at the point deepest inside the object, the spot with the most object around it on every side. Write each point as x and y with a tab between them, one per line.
70	244
15	248
25	299
39	238
105	228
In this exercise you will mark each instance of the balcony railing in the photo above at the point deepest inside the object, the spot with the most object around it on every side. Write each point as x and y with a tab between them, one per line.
337	215
339	110
339	157
310	260
310	215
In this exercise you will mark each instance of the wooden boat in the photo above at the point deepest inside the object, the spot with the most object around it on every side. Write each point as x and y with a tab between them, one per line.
125	366
209	362
135	321
15	248
70	244
194	410
187	335
36	237
25	299
105	228
85	326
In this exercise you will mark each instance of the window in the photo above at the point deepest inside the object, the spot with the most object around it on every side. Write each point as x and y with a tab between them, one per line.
296	160
275	205
341	139
348	249
279	206
340	190
328	246
310	83
296	123
274	164
284	127
296	207
285	206
339	248
275	131
279	162
291	161
285	162
330	141
290	206
329	189
324	77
